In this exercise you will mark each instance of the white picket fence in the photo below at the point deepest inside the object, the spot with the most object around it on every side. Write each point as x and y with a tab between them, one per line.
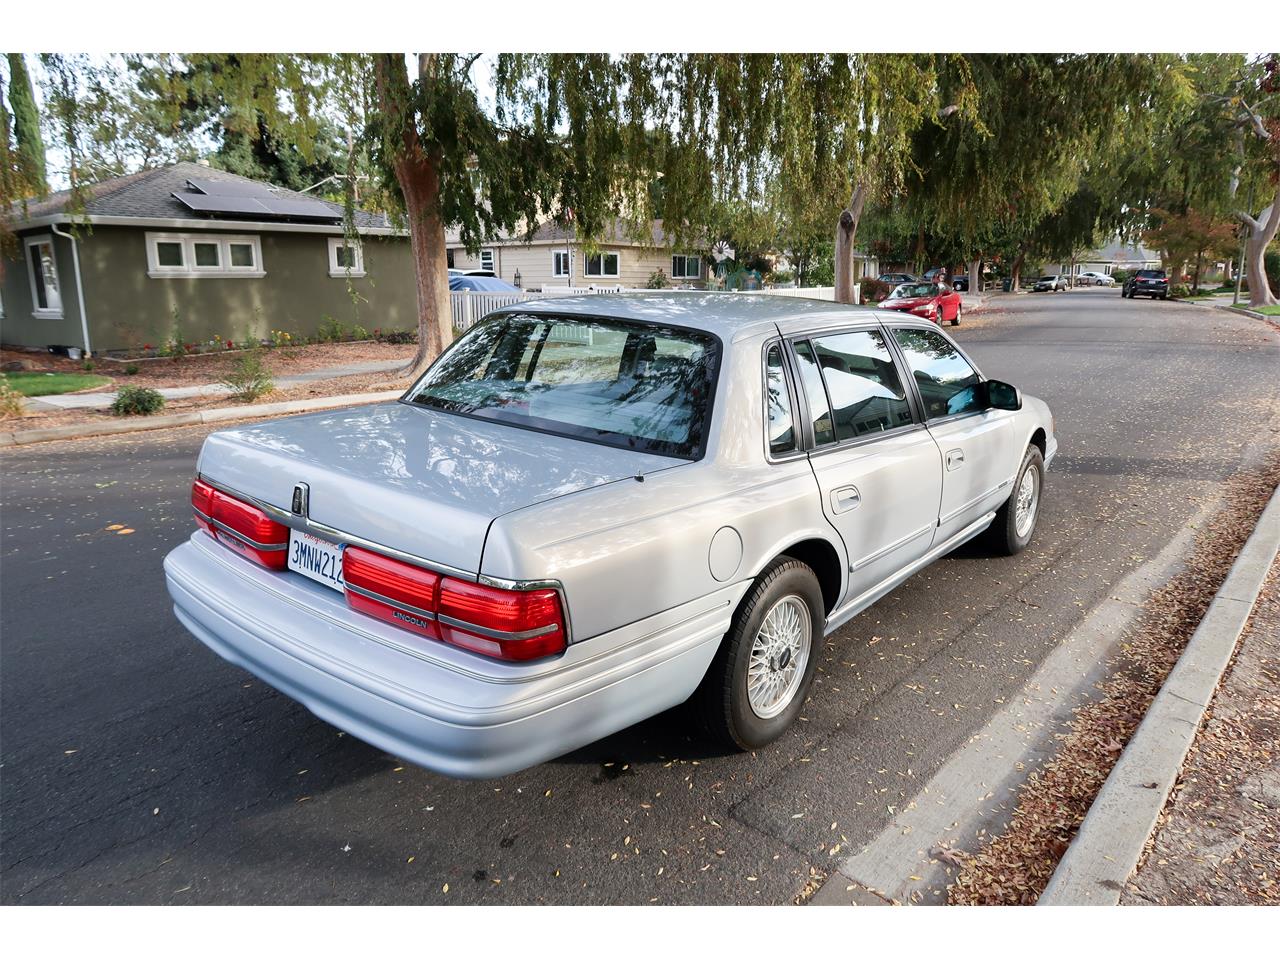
471	305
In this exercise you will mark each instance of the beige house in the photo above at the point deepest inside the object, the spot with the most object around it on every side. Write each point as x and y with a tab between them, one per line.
553	257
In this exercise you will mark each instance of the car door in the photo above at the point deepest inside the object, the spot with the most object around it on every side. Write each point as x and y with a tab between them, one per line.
878	469
949	303
977	443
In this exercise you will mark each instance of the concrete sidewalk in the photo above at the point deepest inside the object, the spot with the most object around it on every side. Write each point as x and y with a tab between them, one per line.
101	401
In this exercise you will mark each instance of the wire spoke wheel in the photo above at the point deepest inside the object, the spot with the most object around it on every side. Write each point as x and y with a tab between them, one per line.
1024	516
779	657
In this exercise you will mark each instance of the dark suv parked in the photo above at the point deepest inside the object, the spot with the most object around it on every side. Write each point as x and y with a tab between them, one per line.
1146	283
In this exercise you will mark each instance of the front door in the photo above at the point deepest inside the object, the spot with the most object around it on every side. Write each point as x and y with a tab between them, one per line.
877	468
977	443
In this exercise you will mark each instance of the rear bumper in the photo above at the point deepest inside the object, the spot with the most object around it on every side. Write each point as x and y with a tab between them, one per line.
424	701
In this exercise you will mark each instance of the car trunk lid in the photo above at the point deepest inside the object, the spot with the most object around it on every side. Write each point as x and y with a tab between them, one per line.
420	481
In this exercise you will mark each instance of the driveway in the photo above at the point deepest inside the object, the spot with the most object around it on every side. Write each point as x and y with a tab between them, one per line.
138	767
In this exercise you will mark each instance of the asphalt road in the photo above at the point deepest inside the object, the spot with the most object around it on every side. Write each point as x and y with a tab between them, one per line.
138	767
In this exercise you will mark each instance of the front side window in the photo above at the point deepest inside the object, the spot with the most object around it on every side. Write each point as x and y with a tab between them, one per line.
560	263
42	270
633	385
782	433
602	265
948	384
866	394
685	267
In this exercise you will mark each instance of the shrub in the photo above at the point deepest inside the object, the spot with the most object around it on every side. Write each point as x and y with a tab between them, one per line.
137	401
399	336
88	366
330	330
131	370
1179	290
873	290
10	401
1121	275
357	332
250	378
281	338
658	280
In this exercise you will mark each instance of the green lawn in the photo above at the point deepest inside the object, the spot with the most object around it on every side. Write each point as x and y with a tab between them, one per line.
1271	311
31	383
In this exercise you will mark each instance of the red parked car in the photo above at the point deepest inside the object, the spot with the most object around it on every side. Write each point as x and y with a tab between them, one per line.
933	301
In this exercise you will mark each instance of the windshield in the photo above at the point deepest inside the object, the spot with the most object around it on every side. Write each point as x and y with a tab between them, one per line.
915	290
1151	274
635	385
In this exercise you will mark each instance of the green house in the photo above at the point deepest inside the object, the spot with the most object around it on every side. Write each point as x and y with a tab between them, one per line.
190	251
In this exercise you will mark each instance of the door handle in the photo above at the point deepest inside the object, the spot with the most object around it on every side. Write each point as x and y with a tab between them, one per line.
845	498
955	459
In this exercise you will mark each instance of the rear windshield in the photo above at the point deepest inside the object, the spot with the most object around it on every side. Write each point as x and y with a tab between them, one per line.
1151	273
635	385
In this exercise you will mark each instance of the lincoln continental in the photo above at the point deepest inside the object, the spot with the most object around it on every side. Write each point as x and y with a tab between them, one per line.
590	510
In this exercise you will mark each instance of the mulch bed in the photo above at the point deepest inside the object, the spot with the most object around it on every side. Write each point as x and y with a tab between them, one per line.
212	367
1014	867
1219	837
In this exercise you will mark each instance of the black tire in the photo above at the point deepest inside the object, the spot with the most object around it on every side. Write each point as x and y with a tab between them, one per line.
1003	536
721	704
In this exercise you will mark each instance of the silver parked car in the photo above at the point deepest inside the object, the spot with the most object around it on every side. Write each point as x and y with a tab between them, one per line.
593	509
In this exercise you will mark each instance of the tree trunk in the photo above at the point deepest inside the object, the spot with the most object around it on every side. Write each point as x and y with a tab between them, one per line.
1262	230
1195	280
417	172
846	232
1016	271
975	276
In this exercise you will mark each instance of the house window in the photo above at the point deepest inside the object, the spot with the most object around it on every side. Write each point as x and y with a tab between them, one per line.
486	260
560	263
686	267
203	255
42	271
346	258
602	265
448	256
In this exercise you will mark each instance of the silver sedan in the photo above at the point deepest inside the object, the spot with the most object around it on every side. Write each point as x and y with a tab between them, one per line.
592	509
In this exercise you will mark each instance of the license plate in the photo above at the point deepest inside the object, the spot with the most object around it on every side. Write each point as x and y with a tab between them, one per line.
315	558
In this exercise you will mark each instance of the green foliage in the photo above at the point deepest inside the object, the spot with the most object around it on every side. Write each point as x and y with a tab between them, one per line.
658	280
137	401
131	370
26	128
357	332
329	331
250	378
1179	290
1271	263
87	366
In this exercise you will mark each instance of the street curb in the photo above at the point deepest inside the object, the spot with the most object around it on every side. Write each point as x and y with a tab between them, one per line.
1110	842
108	428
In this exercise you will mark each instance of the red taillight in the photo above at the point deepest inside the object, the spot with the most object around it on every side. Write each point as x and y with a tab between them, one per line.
505	624
510	624
202	504
242	527
390	590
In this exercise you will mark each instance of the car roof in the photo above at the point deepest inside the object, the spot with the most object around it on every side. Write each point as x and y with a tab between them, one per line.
731	316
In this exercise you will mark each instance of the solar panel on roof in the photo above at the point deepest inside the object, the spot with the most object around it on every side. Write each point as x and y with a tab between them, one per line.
311	209
229	188
208	204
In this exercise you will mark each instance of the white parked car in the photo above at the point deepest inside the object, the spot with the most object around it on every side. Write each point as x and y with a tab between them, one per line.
1091	278
592	509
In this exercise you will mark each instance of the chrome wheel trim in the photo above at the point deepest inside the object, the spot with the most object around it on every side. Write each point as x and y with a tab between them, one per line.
1027	502
779	657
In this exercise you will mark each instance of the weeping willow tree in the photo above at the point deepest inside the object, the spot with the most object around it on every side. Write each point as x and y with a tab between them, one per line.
731	141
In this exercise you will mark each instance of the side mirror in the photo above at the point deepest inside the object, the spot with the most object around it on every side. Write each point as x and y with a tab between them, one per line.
1002	396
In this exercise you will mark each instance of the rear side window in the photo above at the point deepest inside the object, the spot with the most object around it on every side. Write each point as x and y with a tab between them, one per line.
862	383
947	383
635	385
815	393
782	432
